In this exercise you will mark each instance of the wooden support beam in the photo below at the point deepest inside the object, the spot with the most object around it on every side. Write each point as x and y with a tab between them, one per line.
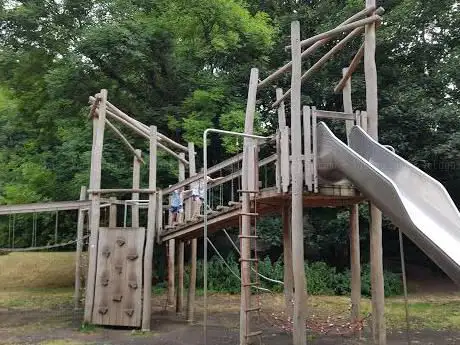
285	165
78	264
180	277
123	139
139	124
180	251
334	115
113	212
44	207
350	70
308	154
171	273
136	185
121	190
181	169
355	261
347	104
248	183
287	256
322	61
358	118
193	246
95	183
150	235
364	121
339	30
192	283
315	149
281	110
300	296
314	47
376	250
142	133
159	215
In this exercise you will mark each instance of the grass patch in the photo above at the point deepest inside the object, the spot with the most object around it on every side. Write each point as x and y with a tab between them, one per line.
36	298
37	270
61	342
439	314
427	312
88	328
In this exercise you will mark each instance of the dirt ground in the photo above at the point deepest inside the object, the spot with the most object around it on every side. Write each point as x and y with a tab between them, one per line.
61	325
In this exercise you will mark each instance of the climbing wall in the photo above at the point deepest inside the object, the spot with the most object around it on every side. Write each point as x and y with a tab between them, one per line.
118	294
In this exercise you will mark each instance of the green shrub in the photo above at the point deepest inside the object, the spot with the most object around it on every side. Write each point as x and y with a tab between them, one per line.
322	279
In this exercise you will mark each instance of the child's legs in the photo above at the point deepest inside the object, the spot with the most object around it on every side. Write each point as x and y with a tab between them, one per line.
196	207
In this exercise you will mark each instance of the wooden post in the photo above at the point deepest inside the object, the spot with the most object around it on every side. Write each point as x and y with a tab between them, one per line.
150	236
192	281
376	250
287	252
180	251
248	183
347	102
180	277
171	269
80	225
193	246
300	296
136	185
95	183
180	216
113	212
355	261
281	110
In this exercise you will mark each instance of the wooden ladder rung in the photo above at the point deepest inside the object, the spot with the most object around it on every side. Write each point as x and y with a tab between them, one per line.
248	214
222	208
254	334
234	203
249	260
250	310
248	236
250	284
247	191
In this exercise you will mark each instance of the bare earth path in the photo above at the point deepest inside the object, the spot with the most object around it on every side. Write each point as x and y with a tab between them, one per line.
60	325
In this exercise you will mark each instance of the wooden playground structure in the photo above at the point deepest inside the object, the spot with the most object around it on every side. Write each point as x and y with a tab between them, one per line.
119	284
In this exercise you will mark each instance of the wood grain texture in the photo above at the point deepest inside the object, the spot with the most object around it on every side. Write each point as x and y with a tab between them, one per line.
308	155
248	183
95	183
79	249
299	333
118	294
150	233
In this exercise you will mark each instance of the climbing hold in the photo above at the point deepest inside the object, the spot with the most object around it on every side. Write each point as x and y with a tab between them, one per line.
104	280
118	268
103	309
117	298
129	311
132	254
132	284
106	252
121	241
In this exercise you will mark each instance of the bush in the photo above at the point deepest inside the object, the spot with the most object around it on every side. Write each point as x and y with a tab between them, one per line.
322	279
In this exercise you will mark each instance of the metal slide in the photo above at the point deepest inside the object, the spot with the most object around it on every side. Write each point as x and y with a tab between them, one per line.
418	204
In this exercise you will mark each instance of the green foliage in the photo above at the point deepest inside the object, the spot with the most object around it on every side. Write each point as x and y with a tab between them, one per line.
322	279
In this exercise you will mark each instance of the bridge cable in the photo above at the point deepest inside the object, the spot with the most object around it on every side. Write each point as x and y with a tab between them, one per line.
260	274
230	269
31	249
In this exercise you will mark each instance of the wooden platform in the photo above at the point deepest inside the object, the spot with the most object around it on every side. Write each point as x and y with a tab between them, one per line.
269	201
